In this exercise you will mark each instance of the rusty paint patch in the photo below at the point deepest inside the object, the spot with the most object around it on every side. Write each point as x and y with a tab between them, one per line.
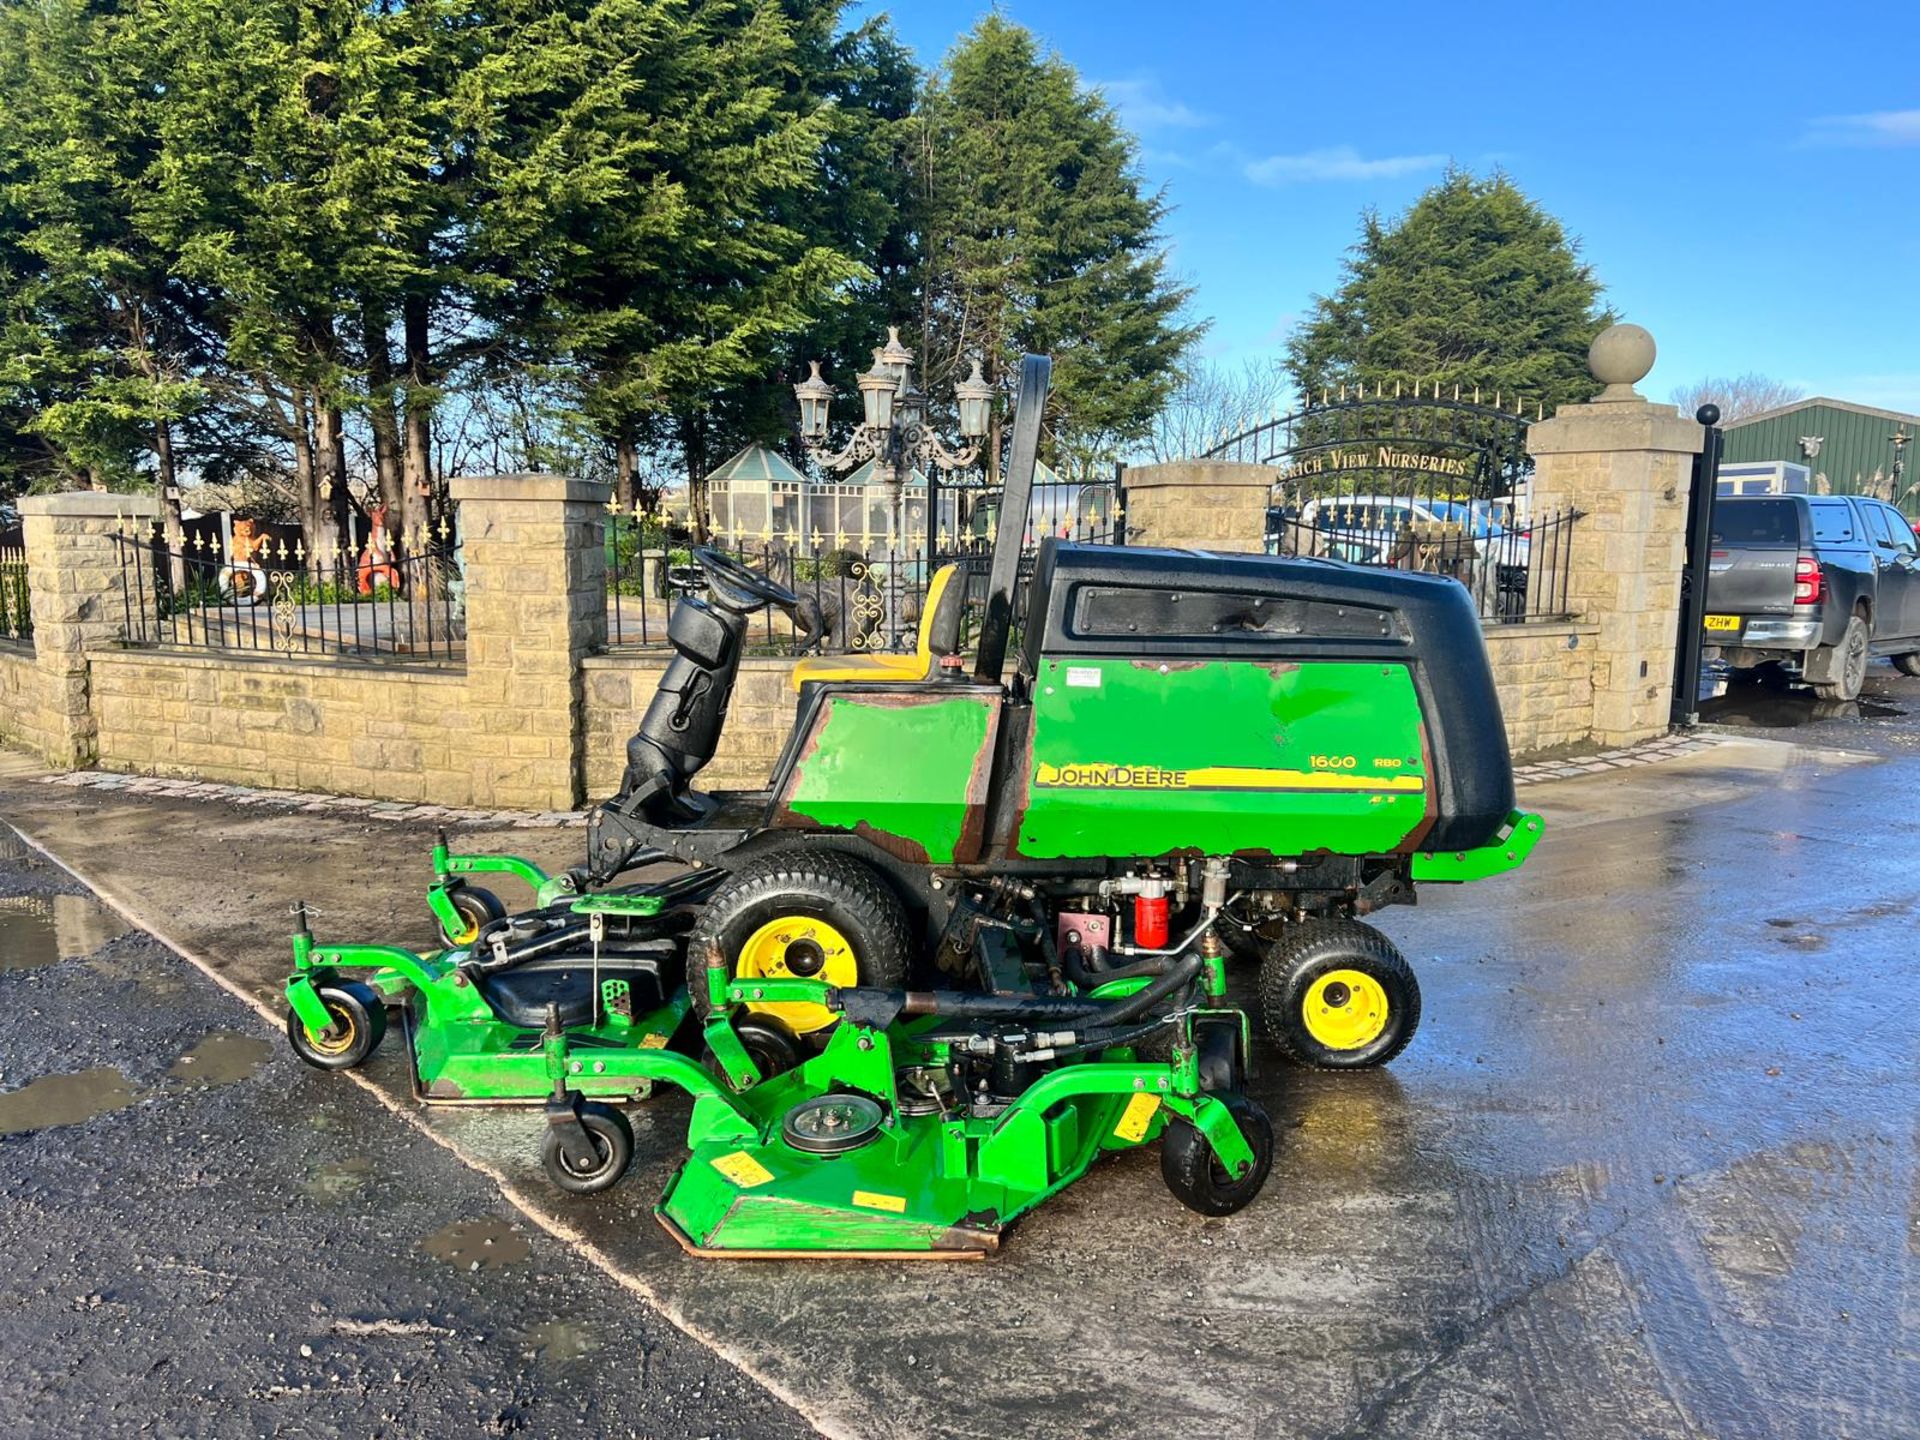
898	846
1169	666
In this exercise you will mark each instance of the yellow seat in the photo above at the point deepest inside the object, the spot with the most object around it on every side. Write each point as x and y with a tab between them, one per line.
939	635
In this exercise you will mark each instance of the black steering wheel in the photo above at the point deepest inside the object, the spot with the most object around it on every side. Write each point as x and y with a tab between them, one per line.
738	587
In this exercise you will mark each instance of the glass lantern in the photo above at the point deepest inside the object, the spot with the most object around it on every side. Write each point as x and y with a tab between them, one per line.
877	390
974	395
814	395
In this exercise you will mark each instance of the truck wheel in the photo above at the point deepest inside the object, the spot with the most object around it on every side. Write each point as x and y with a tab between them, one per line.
805	914
1338	995
1908	664
1849	664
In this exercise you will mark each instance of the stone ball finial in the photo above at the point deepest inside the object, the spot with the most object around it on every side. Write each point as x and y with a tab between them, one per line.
1619	358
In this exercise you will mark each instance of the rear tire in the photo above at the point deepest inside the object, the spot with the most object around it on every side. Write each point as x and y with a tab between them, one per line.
1908	664
1338	995
807	913
1849	664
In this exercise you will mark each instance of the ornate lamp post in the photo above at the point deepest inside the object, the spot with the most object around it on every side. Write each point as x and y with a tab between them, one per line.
895	435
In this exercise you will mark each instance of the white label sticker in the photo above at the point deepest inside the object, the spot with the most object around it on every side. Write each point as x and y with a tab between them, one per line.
1083	677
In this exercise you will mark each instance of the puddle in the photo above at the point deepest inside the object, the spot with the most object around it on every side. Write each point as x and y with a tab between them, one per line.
338	1181
38	930
1768	707
559	1342
64	1100
477	1244
223	1058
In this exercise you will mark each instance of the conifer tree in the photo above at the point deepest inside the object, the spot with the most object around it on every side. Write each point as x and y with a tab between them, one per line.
1040	235
1475	286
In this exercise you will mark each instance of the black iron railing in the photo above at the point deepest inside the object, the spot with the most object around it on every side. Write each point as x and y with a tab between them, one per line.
399	603
16	608
1515	568
851	600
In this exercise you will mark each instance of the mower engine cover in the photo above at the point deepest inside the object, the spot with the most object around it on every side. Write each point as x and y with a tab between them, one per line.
1248	703
1176	702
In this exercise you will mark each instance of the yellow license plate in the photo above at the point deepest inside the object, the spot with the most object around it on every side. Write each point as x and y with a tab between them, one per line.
1723	622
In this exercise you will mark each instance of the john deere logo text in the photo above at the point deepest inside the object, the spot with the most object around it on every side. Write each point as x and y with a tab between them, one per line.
1114	777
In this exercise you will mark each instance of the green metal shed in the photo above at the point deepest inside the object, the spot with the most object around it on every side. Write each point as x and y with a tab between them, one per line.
1851	449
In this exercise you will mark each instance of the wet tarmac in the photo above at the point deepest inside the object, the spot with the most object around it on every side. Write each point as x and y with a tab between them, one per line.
1882	720
1651	1167
202	1237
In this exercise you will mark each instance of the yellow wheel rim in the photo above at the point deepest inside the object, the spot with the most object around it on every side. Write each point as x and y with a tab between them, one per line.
348	1030
466	934
1345	1009
798	947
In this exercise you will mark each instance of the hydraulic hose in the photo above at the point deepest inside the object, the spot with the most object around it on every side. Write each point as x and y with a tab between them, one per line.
958	1005
1184	972
1103	1037
1076	970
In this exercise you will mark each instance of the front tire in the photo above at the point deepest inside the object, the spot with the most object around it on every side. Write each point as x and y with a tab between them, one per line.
1849	664
810	914
359	1021
612	1140
1338	995
1197	1179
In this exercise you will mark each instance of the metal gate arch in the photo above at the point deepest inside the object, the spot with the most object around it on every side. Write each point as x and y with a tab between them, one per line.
1417	478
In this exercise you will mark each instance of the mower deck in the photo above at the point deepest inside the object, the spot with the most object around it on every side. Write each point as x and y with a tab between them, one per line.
489	1064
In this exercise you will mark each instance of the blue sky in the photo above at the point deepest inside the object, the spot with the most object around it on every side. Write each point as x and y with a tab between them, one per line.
1745	178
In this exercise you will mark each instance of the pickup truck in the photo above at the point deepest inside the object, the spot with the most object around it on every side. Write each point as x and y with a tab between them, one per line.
1817	583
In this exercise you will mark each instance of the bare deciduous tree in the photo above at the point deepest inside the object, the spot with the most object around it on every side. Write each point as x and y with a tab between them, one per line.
1214	401
1738	396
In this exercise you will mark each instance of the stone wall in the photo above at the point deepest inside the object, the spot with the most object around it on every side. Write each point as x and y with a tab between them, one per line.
334	727
20	697
502	733
78	594
1198	505
1544	673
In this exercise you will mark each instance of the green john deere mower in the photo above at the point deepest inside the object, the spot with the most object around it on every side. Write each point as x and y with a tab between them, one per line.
976	931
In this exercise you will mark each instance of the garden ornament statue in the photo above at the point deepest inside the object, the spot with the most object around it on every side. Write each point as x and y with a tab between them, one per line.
376	559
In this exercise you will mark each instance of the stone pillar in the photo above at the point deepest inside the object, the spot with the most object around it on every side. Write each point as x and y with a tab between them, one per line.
1198	505
536	604
1626	465
80	601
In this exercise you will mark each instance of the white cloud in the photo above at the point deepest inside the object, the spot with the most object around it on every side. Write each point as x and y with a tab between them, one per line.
1878	127
1144	106
1341	162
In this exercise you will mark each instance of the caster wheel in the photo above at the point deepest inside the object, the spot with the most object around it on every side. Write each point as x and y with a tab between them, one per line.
359	1020
612	1140
1197	1179
477	909
1337	995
